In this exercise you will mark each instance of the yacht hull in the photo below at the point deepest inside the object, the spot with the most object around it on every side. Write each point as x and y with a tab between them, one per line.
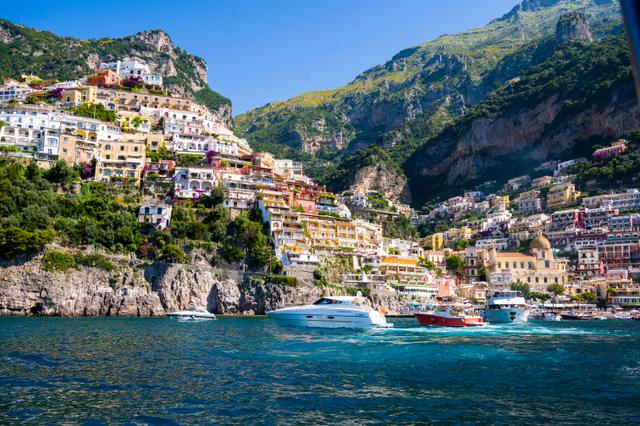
433	319
328	320
507	316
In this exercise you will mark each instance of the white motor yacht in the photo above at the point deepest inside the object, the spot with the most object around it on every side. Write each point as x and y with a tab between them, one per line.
331	312
507	307
193	313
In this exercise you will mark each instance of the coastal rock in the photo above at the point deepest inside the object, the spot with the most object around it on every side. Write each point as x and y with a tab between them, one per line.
27	289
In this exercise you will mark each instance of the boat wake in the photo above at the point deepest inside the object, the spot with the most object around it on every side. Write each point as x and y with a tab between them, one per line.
491	330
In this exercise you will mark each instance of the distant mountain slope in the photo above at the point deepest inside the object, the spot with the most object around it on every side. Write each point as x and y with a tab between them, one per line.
439	79
583	93
30	51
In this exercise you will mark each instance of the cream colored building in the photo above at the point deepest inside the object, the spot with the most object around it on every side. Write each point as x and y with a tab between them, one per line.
562	195
120	159
539	269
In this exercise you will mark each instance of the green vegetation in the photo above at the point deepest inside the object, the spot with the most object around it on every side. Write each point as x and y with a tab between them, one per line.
282	280
579	77
62	261
58	261
524	288
455	264
39	206
53	57
212	100
613	173
399	227
97	111
556	289
442	78
587	297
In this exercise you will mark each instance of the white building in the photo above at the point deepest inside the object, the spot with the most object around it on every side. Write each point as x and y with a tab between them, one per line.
193	182
133	68
155	214
31	130
200	145
12	90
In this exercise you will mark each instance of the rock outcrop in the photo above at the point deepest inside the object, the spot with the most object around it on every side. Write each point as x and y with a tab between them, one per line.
573	26
136	289
26	289
381	178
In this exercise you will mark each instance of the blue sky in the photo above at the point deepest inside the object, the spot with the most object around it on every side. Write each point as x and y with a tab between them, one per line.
261	51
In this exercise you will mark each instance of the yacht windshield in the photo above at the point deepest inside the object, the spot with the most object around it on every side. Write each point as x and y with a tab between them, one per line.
325	301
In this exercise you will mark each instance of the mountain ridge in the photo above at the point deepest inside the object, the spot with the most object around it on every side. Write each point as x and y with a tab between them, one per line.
435	81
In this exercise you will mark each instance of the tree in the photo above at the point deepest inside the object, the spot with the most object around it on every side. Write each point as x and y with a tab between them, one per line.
137	122
523	288
15	241
556	289
215	197
482	273
173	253
455	264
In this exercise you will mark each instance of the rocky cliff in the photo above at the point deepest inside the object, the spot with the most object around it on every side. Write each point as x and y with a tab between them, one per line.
135	289
29	51
381	178
584	91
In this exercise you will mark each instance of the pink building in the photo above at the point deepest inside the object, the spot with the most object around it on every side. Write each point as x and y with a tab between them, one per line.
615	150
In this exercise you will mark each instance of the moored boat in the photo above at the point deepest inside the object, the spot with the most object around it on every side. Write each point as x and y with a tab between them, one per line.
450	316
576	316
332	312
199	313
507	307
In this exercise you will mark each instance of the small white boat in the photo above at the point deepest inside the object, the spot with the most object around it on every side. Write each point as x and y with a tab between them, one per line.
199	313
331	312
506	307
551	317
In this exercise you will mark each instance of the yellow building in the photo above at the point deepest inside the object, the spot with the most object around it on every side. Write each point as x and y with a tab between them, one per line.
155	141
133	121
331	233
462	233
403	270
562	195
433	241
120	159
79	95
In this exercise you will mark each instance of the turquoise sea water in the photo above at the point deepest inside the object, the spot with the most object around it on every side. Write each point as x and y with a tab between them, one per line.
250	371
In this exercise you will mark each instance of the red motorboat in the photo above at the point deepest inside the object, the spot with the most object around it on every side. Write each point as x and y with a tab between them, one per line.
450	316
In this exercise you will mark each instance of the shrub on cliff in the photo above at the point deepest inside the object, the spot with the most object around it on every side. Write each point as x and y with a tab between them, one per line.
58	261
173	253
282	280
94	261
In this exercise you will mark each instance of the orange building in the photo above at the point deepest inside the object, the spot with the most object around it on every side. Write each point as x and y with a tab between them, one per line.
104	78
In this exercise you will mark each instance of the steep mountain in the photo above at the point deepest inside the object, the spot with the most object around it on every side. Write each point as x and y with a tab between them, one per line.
581	95
401	105
439	79
29	51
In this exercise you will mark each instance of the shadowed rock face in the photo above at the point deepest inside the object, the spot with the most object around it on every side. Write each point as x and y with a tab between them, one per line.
573	26
27	289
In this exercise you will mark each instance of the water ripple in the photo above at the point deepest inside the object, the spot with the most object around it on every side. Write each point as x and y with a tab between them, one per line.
99	371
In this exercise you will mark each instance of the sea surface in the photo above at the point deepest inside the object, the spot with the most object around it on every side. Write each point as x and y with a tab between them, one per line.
99	371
